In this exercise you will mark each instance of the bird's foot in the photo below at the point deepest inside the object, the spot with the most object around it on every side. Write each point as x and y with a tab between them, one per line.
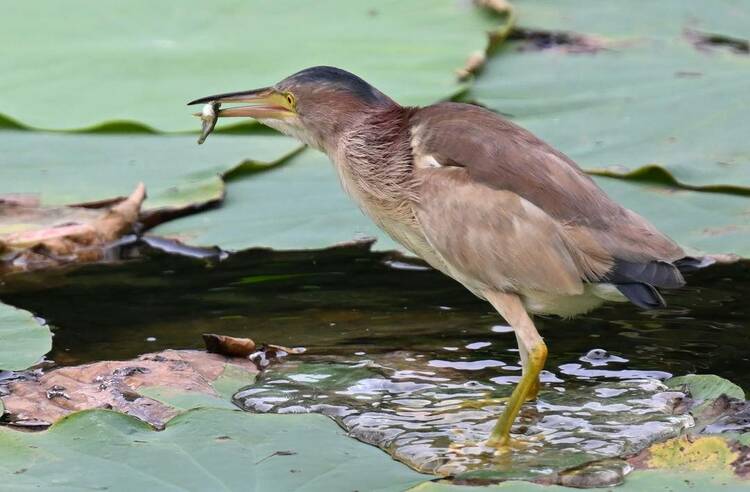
506	445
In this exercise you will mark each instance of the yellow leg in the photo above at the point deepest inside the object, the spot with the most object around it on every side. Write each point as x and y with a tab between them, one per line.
533	356
534	392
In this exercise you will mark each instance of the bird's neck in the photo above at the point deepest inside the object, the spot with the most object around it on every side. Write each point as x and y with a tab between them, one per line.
374	158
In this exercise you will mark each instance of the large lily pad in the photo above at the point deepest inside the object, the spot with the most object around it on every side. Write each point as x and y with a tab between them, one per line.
204	449
23	339
297	205
653	91
64	168
707	222
300	205
640	18
83	63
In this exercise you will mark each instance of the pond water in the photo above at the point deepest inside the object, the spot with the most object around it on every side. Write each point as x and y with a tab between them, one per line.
349	301
403	357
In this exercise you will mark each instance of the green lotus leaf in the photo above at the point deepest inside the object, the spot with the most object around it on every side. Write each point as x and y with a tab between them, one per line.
654	91
85	63
706	386
23	340
639	18
65	168
297	205
204	449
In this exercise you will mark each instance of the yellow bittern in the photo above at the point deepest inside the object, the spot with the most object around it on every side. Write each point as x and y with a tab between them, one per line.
480	199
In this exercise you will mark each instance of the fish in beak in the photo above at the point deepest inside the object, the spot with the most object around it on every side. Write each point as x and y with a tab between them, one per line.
261	104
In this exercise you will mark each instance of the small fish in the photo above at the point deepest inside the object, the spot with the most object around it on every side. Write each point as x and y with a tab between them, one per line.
209	116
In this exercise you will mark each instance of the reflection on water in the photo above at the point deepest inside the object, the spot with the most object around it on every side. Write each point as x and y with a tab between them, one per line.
436	417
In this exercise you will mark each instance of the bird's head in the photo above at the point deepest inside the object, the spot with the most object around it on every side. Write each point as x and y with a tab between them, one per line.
316	105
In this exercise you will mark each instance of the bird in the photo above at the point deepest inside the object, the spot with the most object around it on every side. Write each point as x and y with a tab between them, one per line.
478	198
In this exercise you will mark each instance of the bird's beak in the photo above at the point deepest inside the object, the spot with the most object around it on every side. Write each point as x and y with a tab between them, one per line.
260	103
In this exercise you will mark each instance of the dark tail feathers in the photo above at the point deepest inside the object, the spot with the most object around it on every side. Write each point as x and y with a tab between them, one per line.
638	281
644	296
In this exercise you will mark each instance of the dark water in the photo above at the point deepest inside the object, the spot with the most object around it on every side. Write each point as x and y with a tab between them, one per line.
347	301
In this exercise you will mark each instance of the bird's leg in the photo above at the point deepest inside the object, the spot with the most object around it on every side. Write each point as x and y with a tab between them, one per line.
524	353
532	350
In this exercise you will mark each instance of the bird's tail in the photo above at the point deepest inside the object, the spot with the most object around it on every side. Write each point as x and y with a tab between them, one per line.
639	282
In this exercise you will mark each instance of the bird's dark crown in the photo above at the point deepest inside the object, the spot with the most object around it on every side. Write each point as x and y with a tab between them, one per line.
339	78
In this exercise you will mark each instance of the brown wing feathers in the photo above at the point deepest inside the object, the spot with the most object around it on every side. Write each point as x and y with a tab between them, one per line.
609	243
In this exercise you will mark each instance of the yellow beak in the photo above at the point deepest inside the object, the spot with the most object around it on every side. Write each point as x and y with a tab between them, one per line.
260	103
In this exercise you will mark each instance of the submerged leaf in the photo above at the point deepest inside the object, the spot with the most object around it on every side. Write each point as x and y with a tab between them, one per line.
438	423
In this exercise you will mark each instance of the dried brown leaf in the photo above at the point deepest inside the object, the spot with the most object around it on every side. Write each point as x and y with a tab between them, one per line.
34	237
229	346
115	385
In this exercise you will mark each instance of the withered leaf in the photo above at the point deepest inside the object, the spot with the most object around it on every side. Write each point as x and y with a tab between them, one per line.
118	385
34	237
229	346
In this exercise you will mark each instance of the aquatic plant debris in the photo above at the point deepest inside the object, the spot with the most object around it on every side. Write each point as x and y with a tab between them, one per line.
154	387
34	237
229	346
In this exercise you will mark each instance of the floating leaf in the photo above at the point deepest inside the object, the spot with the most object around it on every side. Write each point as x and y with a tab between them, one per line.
63	168
706	386
203	449
23	339
652	96
298	205
126	63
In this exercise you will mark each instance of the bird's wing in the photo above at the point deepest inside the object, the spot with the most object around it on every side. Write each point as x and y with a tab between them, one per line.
493	239
500	160
565	229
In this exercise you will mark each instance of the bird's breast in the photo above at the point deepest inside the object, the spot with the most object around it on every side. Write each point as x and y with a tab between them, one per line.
391	211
